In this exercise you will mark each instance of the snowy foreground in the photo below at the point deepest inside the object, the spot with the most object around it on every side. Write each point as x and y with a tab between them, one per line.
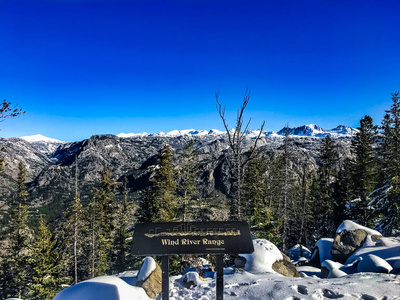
356	279
244	285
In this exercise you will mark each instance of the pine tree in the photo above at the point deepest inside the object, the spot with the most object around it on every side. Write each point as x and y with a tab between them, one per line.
256	210
323	189
15	268
364	168
101	219
305	206
163	201
342	193
384	198
45	270
121	248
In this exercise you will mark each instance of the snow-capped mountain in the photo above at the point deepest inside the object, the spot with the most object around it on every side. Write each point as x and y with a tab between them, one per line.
313	130
310	130
43	143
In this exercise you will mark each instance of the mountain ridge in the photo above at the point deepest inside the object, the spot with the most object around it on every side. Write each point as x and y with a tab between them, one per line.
310	130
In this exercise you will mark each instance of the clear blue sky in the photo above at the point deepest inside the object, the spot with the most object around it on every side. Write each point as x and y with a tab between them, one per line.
84	67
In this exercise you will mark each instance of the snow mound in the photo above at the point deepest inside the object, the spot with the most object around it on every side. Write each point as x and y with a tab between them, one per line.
149	265
105	287
373	263
264	255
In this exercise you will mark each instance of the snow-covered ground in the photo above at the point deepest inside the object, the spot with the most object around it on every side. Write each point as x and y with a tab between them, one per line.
357	279
244	285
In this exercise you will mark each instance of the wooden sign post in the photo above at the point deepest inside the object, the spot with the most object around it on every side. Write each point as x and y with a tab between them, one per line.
216	238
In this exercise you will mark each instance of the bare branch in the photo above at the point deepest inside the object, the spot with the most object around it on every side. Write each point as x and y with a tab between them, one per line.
221	112
253	148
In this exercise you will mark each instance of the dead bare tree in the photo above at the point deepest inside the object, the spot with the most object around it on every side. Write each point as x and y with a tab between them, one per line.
238	161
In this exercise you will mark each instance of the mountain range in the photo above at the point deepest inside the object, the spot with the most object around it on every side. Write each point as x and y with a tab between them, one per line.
50	163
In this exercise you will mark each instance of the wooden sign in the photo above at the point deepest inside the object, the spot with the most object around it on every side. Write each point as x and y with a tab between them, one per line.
191	238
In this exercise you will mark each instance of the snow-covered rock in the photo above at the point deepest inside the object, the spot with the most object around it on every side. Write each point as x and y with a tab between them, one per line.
148	266
264	255
321	251
192	279
150	277
328	266
372	235
105	287
373	263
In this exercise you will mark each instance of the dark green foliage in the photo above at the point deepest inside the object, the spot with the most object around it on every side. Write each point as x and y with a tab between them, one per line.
364	169
385	198
15	271
102	224
72	236
257	210
46	275
390	145
323	189
160	203
342	195
122	260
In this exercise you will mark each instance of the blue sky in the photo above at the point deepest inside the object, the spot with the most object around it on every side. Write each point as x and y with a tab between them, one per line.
84	67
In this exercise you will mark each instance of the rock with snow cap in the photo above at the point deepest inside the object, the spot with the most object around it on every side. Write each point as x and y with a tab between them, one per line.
150	277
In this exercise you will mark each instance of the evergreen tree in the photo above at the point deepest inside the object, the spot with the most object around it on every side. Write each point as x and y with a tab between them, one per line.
121	248
384	198
323	189
45	270
163	202
71	237
256	210
341	195
364	168
289	188
15	268
101	219
391	139
305	209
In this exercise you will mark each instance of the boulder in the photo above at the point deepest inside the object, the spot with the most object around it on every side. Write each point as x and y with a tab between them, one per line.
240	262
321	252
192	279
152	283
346	243
285	267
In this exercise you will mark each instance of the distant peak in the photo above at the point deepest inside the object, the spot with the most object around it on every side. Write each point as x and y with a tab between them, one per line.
40	138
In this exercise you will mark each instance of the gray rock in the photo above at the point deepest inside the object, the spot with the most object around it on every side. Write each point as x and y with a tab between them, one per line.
346	243
240	262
